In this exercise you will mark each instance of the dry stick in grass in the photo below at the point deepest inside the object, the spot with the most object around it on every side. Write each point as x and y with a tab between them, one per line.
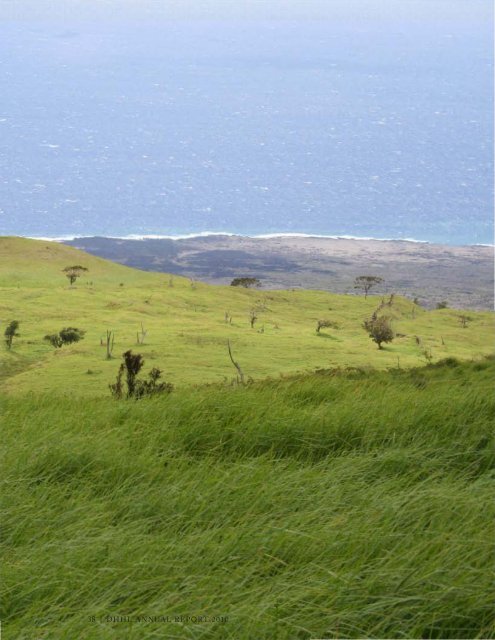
252	317
464	320
110	343
141	336
236	364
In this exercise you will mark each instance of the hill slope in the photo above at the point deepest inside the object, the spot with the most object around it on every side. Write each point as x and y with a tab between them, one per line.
349	503
186	331
344	505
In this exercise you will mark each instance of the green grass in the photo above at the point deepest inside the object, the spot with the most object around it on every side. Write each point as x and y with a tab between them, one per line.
187	334
332	505
354	502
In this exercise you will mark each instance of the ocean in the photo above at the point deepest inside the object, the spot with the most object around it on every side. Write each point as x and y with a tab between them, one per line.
253	128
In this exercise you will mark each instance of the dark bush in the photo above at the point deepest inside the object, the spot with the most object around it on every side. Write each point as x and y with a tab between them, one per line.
131	367
11	333
448	362
247	283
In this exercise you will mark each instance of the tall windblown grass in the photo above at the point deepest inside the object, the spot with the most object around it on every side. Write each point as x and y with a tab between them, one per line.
339	505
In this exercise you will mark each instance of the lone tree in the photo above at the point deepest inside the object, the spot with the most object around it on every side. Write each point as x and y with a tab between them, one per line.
247	283
67	335
365	283
379	329
11	333
74	272
326	324
131	366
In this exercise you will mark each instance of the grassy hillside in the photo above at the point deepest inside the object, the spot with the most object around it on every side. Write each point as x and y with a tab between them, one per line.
186	329
337	505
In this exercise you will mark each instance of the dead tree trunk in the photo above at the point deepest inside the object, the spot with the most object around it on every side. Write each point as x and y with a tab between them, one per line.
110	342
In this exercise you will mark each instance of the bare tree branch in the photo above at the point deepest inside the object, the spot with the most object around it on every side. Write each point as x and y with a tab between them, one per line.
236	364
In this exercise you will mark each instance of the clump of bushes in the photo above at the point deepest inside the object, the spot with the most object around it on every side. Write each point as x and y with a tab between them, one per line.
67	335
128	385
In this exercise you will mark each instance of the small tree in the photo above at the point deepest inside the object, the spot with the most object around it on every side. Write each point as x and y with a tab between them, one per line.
74	272
365	283
379	329
326	324
11	333
67	335
247	283
442	305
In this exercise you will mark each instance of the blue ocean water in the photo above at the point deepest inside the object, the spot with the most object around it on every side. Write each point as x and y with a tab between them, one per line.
247	127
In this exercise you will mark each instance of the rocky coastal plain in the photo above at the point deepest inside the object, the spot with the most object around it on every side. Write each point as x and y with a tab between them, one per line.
462	276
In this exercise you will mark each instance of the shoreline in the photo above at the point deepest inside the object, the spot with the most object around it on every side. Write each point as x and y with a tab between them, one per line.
263	236
433	273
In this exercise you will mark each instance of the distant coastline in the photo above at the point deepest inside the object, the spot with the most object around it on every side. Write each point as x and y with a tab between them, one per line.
433	273
261	236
